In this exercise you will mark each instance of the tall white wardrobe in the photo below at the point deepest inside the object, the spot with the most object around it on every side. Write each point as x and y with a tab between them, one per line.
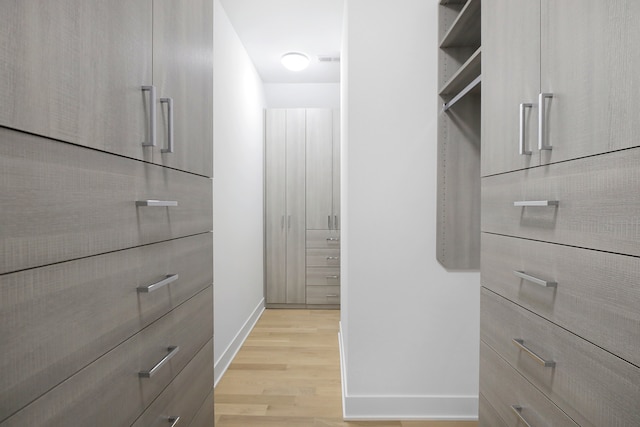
302	208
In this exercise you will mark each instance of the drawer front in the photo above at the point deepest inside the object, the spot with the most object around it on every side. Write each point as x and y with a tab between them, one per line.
586	382
323	257
50	338
598	203
323	294
596	295
205	415
109	392
319	276
323	239
184	395
61	202
487	415
503	388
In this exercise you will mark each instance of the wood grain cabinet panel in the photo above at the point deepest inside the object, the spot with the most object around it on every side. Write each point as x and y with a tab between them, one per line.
323	239
596	294
205	415
109	392
598	203
594	387
57	319
323	257
183	396
317	276
504	388
487	415
62	202
323	294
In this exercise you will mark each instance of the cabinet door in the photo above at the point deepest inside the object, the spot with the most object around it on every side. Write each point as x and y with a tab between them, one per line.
510	77
319	169
183	71
296	233
73	70
336	170
275	205
590	60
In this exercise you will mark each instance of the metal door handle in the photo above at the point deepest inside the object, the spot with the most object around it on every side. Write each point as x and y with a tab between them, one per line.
333	296
289	222
518	411
333	239
331	258
152	116
537	281
174	421
525	203
157	285
520	344
173	350
522	149
332	277
329	222
156	203
169	102
542	121
335	222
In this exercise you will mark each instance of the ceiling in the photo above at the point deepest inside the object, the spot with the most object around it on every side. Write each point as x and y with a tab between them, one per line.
270	28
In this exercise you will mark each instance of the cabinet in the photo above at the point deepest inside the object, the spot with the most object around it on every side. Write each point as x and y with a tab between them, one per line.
459	64
560	259
285	206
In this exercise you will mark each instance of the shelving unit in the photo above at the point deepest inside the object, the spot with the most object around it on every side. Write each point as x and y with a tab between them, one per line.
459	82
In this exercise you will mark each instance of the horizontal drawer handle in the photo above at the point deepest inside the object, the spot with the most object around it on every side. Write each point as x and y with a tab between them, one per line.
518	411
173	350
157	203
332	277
537	281
174	421
525	203
546	363
333	296
157	285
333	239
333	258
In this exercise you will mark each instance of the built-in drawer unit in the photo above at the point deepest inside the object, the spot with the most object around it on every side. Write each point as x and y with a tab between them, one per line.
323	239
328	294
593	294
116	388
513	398
590	203
594	387
62	202
59	318
487	415
205	415
319	276
181	400
323	257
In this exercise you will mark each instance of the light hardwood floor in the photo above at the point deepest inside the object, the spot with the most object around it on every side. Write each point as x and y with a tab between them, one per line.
287	374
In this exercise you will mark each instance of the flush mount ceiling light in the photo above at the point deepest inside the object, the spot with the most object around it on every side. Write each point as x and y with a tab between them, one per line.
295	61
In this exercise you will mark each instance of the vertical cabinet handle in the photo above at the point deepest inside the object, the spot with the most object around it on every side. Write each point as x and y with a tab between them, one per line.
517	409
289	222
152	116
542	121
172	351
169	102
329	222
520	344
335	222
157	285
174	421
282	222
523	151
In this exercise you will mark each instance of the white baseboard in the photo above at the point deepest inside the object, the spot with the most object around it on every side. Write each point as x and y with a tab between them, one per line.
372	407
222	364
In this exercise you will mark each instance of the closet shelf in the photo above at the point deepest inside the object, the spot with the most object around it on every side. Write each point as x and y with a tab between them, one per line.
465	74
473	87
465	30
446	2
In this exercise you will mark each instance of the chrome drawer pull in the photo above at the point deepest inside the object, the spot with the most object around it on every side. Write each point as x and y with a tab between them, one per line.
335	222
541	282
536	203
333	258
169	102
542	121
157	203
333	296
174	421
333	239
522	150
173	350
332	277
518	411
152	116
157	285
546	363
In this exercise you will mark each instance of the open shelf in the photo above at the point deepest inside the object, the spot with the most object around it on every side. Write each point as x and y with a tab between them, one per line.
465	30
467	72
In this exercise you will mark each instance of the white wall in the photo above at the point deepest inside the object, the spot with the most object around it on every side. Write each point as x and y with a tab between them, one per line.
410	329
238	192
302	95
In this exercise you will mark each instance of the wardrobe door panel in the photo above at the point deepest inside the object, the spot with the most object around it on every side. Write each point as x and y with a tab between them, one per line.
336	169
73	70
320	165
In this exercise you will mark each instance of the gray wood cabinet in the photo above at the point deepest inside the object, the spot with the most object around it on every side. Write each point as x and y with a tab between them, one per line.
560	259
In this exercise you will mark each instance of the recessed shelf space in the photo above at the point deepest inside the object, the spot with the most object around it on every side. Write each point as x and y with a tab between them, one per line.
465	30
467	73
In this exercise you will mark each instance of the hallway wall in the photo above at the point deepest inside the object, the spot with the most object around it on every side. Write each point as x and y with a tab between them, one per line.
239	101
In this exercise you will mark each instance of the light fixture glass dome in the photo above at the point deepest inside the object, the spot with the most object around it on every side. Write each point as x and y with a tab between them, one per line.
295	61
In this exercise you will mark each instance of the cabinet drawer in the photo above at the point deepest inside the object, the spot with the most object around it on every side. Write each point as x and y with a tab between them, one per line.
62	202
110	392
205	415
184	395
504	388
323	257
323	239
328	294
598	203
317	276
50	338
586	381
487	415
596	295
